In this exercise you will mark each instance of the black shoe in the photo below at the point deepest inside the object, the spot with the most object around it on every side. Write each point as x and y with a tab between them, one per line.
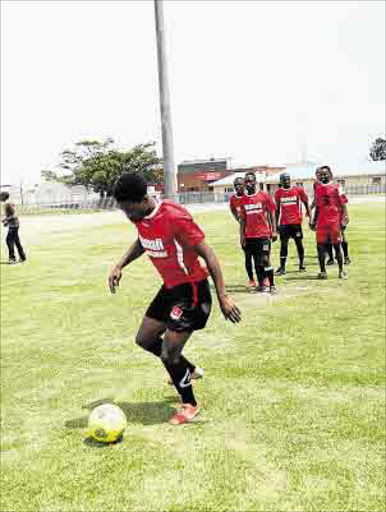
302	268
272	290
330	261
22	260
281	271
261	289
347	261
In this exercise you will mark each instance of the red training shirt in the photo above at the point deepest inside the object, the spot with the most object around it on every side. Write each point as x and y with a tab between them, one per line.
168	235
234	204
329	201
290	201
254	210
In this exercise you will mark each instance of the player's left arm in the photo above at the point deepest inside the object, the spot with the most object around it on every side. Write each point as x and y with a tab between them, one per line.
271	214
304	199
228	307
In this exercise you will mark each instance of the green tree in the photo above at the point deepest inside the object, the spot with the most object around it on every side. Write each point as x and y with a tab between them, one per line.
97	165
378	149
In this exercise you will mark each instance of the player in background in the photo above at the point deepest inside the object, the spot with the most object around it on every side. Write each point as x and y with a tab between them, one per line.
289	220
258	230
234	205
168	234
330	212
12	221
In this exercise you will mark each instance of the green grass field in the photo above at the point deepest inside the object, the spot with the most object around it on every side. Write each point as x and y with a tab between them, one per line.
293	399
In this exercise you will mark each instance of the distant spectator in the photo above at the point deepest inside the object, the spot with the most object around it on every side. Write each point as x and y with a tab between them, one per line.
12	221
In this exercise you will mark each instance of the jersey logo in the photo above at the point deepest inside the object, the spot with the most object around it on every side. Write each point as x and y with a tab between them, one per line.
176	313
154	248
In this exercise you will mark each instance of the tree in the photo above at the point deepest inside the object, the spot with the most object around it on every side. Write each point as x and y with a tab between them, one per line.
378	149
97	165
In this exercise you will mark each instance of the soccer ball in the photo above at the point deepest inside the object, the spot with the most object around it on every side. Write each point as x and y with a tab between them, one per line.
106	423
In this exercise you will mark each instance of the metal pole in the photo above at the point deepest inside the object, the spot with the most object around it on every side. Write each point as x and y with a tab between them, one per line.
170	178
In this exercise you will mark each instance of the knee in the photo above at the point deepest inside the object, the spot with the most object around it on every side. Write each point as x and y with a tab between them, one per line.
170	355
139	340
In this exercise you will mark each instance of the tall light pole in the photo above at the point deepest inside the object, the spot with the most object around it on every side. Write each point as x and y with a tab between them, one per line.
170	178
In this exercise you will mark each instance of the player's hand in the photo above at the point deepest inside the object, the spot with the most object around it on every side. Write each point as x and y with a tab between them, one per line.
274	236
242	241
229	309
345	221
114	278
312	226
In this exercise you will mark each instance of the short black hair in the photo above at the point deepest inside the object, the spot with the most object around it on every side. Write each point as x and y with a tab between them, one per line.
250	174
4	196
326	167
130	186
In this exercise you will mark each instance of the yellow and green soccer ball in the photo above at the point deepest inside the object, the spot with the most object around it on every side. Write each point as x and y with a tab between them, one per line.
106	423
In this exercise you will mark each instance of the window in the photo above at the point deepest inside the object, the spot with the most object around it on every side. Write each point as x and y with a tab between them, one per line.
376	181
299	183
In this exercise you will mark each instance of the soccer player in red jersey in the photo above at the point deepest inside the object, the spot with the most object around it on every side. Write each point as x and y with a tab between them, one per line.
289	219
168	234
234	205
257	230
330	212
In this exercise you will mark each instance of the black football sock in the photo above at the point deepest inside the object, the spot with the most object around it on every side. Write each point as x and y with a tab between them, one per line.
260	275
283	254
180	375
248	265
338	255
269	273
322	257
300	248
156	349
328	248
345	248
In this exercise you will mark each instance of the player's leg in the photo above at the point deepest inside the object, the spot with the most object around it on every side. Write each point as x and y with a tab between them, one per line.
347	260
253	248
249	267
191	309
321	239
284	239
10	240
264	261
298	239
19	247
329	251
336	242
149	337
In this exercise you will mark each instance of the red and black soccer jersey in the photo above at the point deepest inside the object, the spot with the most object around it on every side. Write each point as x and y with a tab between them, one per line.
168	236
290	201
234	204
254	210
329	201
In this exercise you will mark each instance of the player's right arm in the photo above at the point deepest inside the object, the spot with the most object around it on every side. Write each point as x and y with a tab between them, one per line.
135	252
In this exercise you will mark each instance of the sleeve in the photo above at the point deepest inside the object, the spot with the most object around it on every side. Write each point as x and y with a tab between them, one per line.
186	231
271	204
342	196
242	212
302	194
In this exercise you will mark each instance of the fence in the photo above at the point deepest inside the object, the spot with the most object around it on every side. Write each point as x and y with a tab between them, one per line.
185	198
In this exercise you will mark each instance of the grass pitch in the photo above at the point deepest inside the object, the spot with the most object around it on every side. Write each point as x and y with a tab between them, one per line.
293	399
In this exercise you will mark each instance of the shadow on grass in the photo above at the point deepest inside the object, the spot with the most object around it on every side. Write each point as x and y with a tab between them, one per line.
144	413
303	278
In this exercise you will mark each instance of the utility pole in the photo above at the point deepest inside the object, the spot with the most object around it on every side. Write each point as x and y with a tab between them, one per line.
170	178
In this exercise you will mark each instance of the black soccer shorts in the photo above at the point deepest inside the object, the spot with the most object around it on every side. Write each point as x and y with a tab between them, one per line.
260	249
184	308
288	231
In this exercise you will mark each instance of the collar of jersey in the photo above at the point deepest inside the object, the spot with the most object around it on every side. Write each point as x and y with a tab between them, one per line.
253	195
153	213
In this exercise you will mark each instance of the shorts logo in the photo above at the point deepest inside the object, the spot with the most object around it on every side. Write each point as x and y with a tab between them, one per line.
176	313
